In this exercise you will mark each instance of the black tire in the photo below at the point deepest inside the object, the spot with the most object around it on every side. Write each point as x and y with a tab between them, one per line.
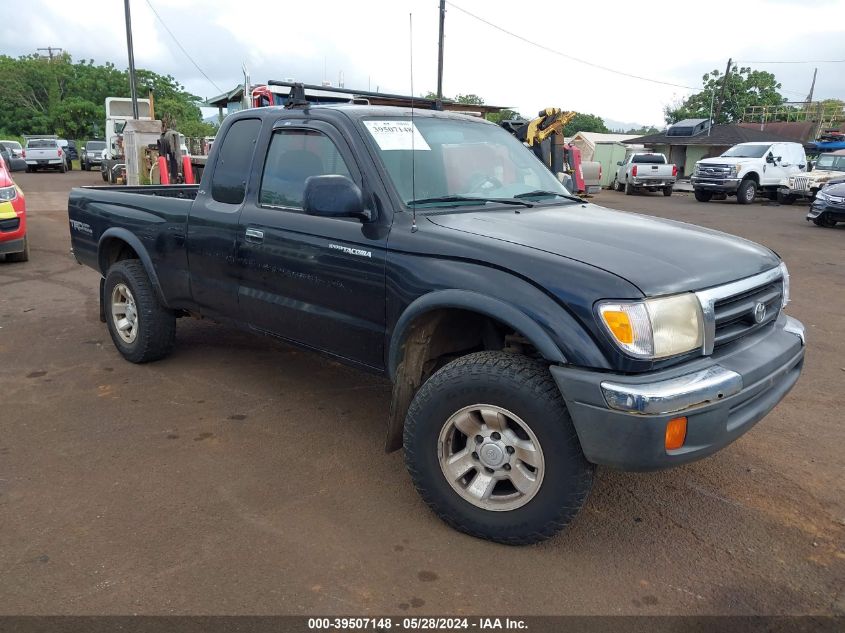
667	191
526	388
156	325
747	191
629	189
22	256
63	167
70	165
617	186
28	169
105	175
785	199
703	196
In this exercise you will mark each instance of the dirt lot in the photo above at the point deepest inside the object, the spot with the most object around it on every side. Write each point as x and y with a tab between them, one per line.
243	476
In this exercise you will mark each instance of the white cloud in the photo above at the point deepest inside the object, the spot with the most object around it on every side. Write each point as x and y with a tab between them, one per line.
368	42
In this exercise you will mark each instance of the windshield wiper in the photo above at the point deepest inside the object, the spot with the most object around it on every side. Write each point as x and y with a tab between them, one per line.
542	192
468	200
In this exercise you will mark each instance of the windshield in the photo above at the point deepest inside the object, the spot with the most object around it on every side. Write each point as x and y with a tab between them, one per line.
747	151
457	159
95	145
831	162
11	144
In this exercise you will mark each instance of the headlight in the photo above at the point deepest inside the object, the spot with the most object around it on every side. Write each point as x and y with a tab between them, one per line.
821	195
734	170
785	284
655	328
8	193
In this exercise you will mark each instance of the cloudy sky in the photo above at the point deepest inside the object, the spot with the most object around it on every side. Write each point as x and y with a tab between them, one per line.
368	42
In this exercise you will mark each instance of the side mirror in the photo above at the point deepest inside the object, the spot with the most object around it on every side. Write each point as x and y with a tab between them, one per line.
770	159
334	196
810	165
619	162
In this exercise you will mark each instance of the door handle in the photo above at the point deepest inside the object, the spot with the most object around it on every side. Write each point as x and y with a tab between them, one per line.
255	236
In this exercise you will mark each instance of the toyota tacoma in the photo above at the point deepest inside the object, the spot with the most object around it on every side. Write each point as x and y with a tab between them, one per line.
528	335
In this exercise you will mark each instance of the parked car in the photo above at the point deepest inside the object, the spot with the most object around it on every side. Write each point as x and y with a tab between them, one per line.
529	335
93	154
69	149
828	206
44	153
645	171
746	169
15	158
826	168
14	245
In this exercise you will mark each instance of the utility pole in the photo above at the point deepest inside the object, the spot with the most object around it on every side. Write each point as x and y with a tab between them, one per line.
438	104
50	50
722	91
812	86
132	91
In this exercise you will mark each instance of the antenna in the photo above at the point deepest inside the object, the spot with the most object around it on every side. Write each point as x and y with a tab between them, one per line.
413	153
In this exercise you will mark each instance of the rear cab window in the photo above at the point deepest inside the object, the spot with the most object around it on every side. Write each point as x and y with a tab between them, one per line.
231	172
41	144
649	159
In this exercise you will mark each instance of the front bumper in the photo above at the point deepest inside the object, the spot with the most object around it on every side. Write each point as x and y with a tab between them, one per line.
621	419
818	208
728	185
12	246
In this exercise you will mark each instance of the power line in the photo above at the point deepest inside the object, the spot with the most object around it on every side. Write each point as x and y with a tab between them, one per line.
158	17
559	53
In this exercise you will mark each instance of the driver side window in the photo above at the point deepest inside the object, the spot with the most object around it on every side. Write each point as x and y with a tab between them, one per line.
293	157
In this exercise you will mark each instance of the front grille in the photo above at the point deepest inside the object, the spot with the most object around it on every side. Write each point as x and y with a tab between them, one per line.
720	172
735	315
12	224
801	183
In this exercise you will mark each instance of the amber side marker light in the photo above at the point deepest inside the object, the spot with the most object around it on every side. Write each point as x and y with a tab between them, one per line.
676	433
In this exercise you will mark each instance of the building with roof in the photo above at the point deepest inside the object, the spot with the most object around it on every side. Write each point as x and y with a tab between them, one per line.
687	142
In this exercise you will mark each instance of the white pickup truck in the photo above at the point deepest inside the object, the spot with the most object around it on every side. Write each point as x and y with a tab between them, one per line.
44	153
747	169
645	171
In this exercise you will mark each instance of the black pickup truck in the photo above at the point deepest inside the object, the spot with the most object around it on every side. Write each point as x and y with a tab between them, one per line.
528	334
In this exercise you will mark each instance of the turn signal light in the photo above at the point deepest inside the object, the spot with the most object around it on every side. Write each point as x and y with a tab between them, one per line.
620	325
676	433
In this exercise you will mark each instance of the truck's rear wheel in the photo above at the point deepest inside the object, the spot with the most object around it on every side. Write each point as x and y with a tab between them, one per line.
492	450
703	196
629	189
667	191
746	192
141	328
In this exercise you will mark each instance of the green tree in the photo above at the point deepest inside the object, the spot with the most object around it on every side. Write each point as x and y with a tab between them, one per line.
504	115
470	99
58	95
585	123
743	88
641	131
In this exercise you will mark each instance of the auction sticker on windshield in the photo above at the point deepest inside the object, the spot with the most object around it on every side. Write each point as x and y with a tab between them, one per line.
392	135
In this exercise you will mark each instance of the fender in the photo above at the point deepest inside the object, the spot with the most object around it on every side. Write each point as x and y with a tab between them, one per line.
475	302
125	235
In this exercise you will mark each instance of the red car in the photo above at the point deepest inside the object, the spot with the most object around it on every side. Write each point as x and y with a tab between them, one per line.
13	242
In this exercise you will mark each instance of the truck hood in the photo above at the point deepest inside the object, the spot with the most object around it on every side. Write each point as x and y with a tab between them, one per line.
658	256
728	160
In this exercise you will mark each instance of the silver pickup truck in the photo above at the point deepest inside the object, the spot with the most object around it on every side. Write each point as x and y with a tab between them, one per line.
44	153
645	171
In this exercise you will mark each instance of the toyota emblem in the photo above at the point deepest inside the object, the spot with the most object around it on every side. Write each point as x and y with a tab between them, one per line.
759	312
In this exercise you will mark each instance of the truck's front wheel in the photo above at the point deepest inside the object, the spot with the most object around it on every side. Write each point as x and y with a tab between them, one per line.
492	450
141	328
747	191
